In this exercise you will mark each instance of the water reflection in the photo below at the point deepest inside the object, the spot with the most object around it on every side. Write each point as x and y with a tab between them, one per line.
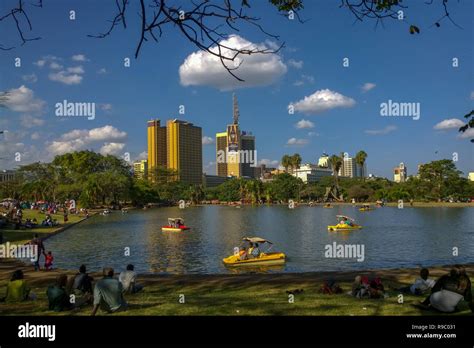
392	238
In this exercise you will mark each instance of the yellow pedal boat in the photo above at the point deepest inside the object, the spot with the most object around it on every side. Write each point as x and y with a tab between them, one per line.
343	227
264	258
175	225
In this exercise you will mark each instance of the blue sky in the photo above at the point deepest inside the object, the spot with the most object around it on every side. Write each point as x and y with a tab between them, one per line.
388	61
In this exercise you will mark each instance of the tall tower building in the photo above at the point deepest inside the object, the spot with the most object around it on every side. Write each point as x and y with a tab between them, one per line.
184	150
235	150
156	145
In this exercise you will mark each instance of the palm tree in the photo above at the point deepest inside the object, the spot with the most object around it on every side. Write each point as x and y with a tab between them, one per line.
336	163
360	158
286	162
295	161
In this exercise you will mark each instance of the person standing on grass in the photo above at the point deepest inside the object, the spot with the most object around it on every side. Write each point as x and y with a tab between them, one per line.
39	243
108	294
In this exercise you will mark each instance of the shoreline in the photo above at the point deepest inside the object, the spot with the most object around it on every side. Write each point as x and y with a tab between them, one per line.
240	294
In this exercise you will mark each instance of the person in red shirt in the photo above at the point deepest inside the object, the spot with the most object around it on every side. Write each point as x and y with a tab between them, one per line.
48	263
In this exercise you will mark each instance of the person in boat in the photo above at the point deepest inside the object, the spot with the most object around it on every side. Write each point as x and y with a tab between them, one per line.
179	223
346	221
255	251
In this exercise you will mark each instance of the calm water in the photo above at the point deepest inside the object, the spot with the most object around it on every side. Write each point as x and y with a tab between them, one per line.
392	238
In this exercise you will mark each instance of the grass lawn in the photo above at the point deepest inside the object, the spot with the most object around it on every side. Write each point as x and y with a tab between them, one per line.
25	234
241	295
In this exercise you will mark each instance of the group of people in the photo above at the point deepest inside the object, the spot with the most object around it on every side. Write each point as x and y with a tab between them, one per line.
252	251
443	295
68	293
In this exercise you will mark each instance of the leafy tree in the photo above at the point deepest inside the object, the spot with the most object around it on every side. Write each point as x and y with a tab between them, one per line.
438	174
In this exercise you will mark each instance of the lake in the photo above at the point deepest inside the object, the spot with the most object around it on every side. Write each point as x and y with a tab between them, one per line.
391	237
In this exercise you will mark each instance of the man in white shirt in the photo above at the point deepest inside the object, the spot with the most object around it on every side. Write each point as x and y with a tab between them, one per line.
128	280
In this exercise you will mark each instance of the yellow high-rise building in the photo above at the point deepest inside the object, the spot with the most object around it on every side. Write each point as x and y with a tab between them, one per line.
235	150
184	150
156	146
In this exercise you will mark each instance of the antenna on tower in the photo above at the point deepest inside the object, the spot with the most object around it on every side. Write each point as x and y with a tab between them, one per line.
236	109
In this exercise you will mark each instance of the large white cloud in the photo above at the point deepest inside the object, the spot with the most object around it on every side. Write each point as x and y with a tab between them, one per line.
111	148
23	99
449	124
80	139
321	101
258	69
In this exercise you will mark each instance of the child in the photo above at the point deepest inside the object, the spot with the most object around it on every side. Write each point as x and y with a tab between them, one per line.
48	263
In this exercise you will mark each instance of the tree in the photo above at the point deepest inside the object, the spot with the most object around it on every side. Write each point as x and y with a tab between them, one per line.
286	162
295	161
285	187
438	174
469	125
360	158
336	163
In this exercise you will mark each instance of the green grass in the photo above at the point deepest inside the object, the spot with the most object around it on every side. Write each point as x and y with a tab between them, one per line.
238	299
25	234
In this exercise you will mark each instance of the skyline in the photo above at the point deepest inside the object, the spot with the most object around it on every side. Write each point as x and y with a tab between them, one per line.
308	74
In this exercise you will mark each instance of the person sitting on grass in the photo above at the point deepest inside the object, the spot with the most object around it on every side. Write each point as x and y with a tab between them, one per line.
108	293
17	289
421	285
128	280
449	291
376	288
58	299
81	282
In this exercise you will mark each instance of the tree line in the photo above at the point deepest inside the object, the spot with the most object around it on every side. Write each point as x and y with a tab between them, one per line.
95	180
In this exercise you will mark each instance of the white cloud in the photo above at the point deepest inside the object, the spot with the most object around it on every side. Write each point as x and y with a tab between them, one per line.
321	101
29	121
304	79
111	148
79	139
304	124
382	131
469	133
23	99
66	78
35	136
32	78
79	58
45	60
368	86
55	66
207	140
203	68
142	156
472	95
269	163
312	134
297	64
102	71
449	124
76	70
296	142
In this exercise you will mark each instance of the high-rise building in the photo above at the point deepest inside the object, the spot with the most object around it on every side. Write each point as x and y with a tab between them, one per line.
7	175
471	176
235	149
351	169
400	173
156	145
323	161
140	169
184	150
